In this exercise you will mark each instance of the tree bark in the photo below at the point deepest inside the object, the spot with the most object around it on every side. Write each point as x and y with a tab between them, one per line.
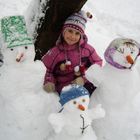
52	23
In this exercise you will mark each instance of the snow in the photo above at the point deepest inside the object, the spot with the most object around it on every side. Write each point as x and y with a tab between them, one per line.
24	104
111	20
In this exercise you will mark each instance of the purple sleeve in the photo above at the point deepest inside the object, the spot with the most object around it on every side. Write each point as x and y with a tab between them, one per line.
49	77
94	57
49	61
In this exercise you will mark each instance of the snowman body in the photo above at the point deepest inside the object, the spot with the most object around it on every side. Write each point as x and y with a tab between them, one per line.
113	90
74	122
82	120
116	92
74	128
23	100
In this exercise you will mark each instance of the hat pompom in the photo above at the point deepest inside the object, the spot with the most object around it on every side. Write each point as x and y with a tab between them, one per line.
89	15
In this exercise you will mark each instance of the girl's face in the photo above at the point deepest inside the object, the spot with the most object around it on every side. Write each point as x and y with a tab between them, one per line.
71	36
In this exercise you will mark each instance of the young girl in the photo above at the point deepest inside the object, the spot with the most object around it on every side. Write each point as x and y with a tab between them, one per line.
67	61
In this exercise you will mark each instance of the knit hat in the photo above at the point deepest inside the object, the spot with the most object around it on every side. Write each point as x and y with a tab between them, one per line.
71	92
77	21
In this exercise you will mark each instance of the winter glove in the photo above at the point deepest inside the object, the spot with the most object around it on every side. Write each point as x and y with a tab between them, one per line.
79	81
49	87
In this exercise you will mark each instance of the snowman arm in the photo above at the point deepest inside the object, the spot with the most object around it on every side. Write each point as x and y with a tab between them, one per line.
57	121
97	112
94	74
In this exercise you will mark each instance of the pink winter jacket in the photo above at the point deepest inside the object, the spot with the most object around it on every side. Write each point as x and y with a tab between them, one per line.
57	55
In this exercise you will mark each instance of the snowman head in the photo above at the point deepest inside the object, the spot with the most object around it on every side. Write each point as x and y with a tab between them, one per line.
17	45
18	54
122	53
74	98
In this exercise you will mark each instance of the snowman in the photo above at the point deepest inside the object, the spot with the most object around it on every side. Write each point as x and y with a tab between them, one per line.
118	86
73	122
24	104
16	8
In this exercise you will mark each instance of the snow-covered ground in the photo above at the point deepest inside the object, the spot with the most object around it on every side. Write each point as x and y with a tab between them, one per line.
112	19
24	105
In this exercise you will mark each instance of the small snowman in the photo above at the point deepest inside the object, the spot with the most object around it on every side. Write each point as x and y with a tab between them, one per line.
118	85
74	120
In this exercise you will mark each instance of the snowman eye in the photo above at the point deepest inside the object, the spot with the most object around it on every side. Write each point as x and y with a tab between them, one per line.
12	49
26	47
132	50
74	102
83	100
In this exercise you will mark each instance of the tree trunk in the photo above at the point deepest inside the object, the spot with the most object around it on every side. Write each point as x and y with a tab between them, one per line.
50	29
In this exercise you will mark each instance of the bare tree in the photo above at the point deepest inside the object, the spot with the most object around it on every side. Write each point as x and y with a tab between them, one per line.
50	28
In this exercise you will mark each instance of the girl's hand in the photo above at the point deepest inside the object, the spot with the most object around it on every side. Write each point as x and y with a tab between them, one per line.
79	81
49	87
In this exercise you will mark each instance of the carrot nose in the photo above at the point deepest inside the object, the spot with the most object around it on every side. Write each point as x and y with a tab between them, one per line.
81	107
129	59
19	57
